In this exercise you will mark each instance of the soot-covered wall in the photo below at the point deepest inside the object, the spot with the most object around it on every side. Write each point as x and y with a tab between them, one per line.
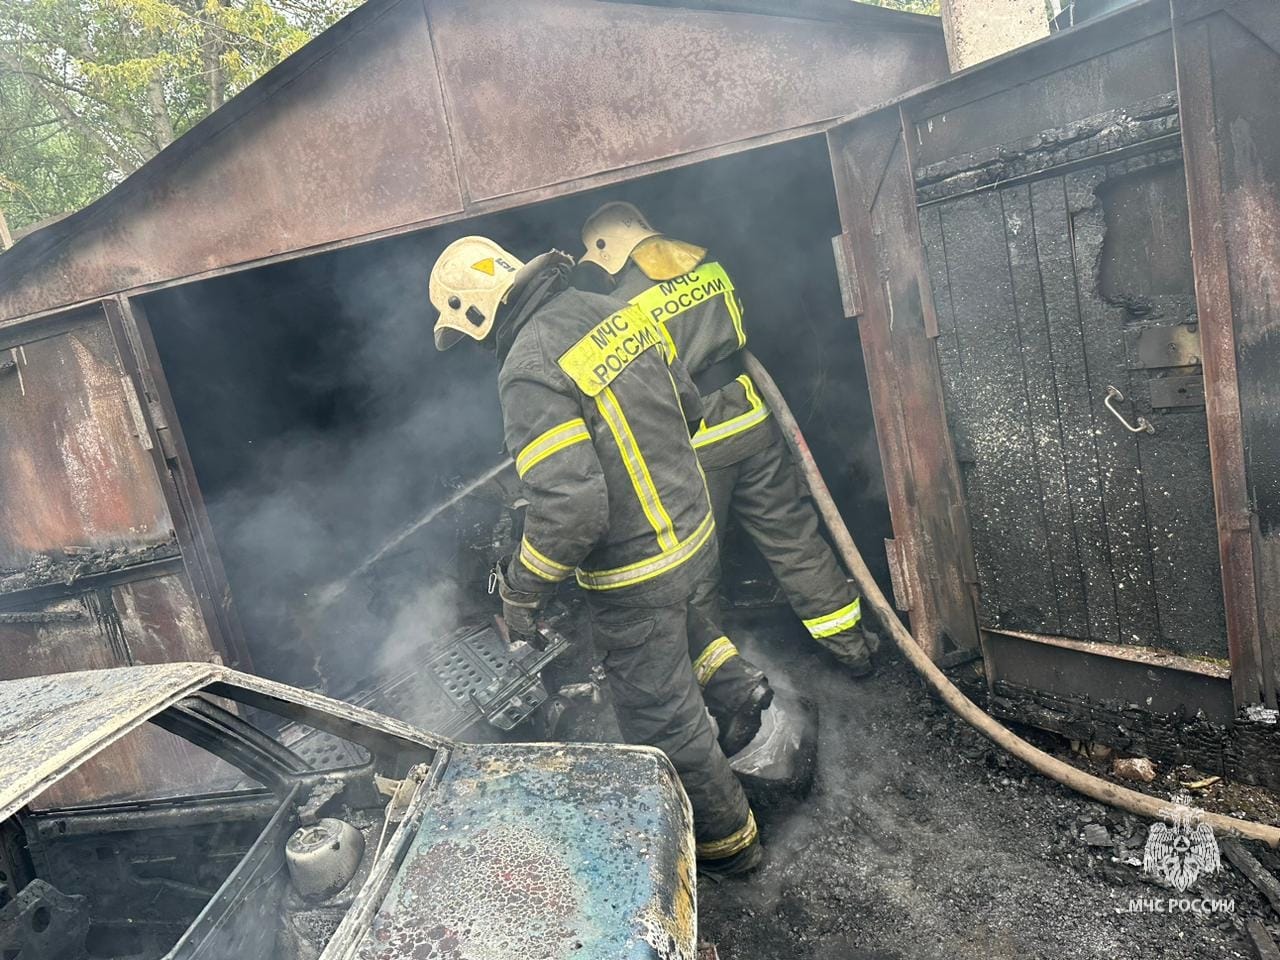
321	420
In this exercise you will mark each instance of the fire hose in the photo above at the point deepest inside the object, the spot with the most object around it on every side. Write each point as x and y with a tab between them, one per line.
1090	786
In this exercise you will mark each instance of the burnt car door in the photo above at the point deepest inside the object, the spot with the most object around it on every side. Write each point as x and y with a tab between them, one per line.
193	865
137	866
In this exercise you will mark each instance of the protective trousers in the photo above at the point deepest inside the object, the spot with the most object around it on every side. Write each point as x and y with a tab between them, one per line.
725	676
766	497
645	651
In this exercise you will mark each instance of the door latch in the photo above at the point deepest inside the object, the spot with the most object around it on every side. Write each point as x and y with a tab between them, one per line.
1144	425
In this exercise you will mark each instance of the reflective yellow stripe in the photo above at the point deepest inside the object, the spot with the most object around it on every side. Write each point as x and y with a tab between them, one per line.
668	343
643	570
542	566
757	414
735	842
735	313
846	618
553	441
712	658
637	469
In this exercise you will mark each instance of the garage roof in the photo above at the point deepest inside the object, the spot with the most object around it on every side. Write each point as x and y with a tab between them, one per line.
408	113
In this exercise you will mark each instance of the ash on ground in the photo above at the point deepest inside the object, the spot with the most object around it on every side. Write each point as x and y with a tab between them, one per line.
921	840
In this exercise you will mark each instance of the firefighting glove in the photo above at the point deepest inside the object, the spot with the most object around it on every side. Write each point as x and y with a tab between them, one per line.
519	609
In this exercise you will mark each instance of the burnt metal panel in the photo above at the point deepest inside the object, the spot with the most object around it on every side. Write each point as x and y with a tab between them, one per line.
1049	257
1133	72
79	491
1141	702
1177	392
50	724
555	828
1228	77
1175	345
876	197
1160	682
572	88
344	140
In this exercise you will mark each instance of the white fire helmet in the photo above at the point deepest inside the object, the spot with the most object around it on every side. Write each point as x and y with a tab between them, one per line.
611	233
470	280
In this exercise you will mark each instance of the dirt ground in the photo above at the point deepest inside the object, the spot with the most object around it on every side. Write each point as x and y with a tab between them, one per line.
919	840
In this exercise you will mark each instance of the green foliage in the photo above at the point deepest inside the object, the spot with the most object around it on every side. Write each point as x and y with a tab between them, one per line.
92	89
911	6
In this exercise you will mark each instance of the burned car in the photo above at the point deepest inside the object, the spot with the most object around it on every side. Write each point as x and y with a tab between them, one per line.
250	819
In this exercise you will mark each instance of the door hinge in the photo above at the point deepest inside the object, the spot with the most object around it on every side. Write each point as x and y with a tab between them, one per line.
847	273
140	429
168	448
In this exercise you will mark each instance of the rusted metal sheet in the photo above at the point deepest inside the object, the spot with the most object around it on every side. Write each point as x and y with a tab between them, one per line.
1228	76
876	196
348	137
80	495
360	135
139	621
505	864
612	85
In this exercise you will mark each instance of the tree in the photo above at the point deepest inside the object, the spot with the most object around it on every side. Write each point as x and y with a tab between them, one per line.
911	6
92	89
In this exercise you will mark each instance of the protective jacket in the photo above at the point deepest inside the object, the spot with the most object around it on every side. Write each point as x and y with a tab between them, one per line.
693	301
749	471
593	416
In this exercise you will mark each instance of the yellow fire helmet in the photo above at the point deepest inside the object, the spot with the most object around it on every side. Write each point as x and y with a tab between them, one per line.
618	230
611	233
470	280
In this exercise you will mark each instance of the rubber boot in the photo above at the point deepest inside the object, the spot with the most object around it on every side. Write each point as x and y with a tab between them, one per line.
739	865
740	727
855	649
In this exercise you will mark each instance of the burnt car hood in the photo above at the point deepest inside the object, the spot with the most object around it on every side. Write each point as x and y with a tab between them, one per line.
535	852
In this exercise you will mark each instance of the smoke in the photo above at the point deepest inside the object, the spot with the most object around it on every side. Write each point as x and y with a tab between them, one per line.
322	421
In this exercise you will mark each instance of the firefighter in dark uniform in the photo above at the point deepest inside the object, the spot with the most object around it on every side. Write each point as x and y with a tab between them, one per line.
594	417
748	467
